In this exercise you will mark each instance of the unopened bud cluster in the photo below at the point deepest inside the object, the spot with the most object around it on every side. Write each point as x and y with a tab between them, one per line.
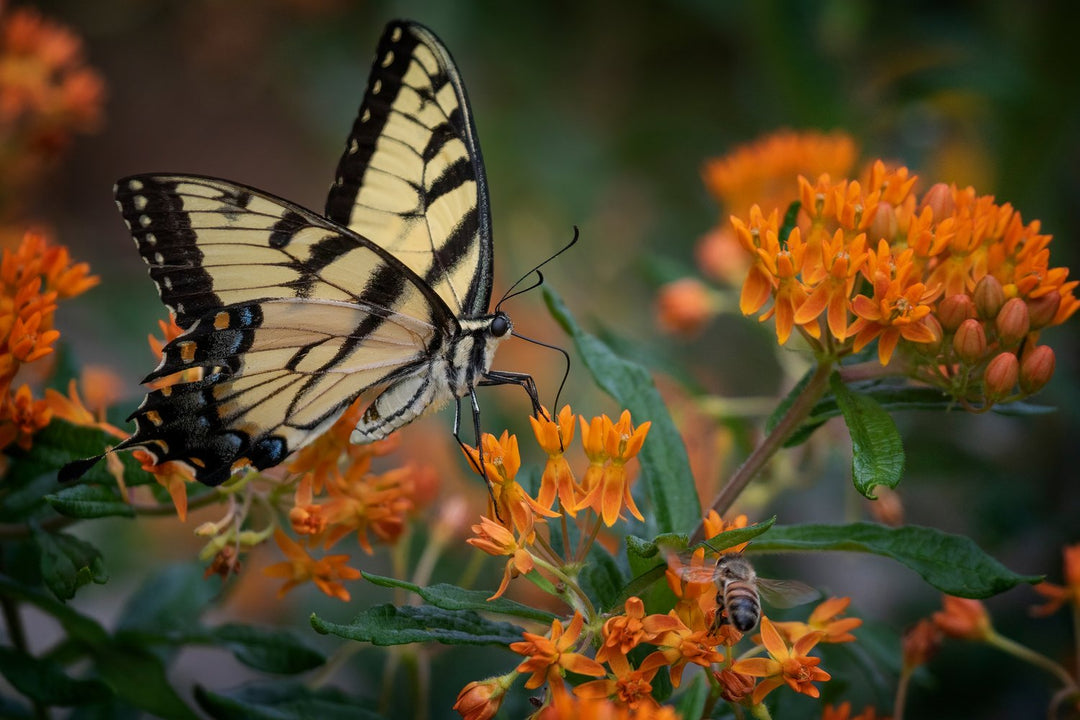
992	340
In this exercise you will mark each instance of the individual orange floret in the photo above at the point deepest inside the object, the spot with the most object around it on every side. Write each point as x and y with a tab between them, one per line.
550	657
622	633
683	645
630	687
621	442
554	438
1058	595
494	539
824	619
509	502
713	525
963	618
785	665
173	476
327	572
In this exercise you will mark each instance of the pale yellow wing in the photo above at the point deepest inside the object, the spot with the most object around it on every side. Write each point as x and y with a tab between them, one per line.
411	178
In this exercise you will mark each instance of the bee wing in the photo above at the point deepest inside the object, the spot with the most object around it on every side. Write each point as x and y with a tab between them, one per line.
691	569
786	593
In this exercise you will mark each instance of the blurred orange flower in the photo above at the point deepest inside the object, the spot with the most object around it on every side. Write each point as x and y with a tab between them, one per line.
1058	595
963	618
327	572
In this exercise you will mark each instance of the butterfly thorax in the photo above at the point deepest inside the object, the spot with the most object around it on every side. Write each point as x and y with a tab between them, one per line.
448	373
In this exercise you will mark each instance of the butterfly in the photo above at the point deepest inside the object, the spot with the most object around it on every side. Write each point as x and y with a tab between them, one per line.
290	316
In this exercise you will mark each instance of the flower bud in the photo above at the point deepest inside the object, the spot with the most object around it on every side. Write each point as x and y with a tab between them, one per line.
1013	322
989	297
963	618
884	224
954	310
734	686
480	699
920	643
1041	310
939	198
683	306
1036	368
1000	376
970	340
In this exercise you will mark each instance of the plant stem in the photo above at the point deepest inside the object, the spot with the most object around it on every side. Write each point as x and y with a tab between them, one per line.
772	442
1030	656
901	693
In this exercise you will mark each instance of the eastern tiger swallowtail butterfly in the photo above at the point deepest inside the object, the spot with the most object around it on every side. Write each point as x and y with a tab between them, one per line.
292	315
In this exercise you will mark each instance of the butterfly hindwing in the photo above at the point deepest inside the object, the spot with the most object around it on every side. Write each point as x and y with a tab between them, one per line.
289	318
412	177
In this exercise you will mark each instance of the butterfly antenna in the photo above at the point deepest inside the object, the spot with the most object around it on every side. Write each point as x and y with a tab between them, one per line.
510	291
566	357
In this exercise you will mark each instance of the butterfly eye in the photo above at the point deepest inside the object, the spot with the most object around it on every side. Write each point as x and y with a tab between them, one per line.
500	325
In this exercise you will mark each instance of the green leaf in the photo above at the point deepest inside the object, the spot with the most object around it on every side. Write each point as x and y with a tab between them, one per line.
282	701
876	449
601	577
664	463
46	682
451	597
953	564
390	625
266	649
89	501
172	598
68	563
133	673
691	703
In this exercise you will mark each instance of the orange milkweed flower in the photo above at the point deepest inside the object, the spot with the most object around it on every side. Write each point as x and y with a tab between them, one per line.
683	307
824	619
1058	595
622	633
550	657
29	340
683	645
693	583
554	437
842	263
630	687
21	416
325	454
621	442
714	525
566	705
963	618
327	572
494	539
480	699
72	409
364	503
843	712
896	311
785	665
763	171
501	464
171	475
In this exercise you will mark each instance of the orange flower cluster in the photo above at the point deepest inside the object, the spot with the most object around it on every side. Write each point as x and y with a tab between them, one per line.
33	278
954	280
1059	595
46	95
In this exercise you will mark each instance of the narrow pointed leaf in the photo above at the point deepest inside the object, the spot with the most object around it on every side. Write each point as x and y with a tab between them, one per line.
68	563
664	463
451	597
390	625
876	449
953	564
89	501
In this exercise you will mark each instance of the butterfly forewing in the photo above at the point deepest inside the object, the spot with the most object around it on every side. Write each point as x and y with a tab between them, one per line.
290	317
411	175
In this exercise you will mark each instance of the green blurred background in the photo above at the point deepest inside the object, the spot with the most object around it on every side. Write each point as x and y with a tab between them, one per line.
600	115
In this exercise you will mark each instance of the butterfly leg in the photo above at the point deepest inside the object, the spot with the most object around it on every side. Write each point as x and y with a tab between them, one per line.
524	380
482	470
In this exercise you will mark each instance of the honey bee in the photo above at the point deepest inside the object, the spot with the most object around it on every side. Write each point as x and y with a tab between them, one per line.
739	590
